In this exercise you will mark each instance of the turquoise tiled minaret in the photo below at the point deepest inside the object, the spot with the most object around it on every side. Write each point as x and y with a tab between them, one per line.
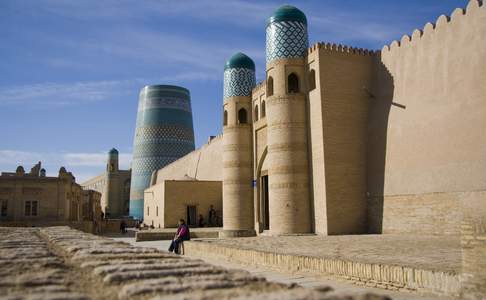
286	34
163	133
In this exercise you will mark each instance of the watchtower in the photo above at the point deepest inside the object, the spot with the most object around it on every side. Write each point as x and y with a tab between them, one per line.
239	80
288	179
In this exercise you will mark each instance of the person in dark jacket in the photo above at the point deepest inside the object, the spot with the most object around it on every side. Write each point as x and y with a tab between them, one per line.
181	235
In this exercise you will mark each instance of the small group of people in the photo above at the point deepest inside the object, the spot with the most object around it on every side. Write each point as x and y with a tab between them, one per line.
182	234
213	218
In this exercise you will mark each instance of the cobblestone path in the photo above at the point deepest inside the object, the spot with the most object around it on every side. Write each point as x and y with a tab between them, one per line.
62	263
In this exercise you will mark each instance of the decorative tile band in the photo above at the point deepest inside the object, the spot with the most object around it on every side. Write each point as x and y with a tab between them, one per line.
286	39
165	102
171	132
238	82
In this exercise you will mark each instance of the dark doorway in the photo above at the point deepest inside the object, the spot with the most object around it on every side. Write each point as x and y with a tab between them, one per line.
266	213
191	215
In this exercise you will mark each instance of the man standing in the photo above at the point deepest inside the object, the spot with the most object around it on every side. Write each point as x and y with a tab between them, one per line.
212	216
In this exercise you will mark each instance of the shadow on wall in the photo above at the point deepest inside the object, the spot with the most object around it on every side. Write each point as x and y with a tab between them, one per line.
379	110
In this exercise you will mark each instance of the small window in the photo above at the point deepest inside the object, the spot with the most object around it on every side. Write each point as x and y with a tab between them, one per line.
148	211
256	113
293	83
242	116
34	208
312	80
4	208
263	113
225	118
156	211
269	86
27	208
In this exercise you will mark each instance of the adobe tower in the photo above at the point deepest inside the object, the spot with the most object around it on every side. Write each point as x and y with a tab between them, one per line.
112	193
288	192
239	80
163	133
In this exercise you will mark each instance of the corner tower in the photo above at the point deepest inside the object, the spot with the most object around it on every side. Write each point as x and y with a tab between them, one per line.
239	80
288	192
111	201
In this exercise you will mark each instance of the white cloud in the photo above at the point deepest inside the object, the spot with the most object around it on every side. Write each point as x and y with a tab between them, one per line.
63	93
88	91
237	12
94	159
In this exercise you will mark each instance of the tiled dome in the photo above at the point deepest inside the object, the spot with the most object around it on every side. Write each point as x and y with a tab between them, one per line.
240	60
288	13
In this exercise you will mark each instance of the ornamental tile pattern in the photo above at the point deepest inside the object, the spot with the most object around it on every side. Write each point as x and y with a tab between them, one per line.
172	132
286	39
163	134
165	102
238	82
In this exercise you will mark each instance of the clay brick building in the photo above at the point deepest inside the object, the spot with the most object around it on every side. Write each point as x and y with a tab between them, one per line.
186	188
339	140
34	199
114	186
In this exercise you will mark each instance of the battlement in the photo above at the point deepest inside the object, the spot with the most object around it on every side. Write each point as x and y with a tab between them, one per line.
430	28
339	48
259	86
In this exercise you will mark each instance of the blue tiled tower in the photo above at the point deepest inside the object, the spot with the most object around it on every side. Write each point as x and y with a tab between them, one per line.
163	133
289	206
239	80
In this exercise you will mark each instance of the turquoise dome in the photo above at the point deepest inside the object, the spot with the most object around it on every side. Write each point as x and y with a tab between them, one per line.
288	13
240	60
113	151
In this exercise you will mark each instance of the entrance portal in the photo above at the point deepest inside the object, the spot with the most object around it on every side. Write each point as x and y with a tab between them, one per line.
191	215
264	195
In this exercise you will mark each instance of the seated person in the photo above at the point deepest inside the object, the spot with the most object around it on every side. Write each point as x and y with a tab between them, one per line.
181	235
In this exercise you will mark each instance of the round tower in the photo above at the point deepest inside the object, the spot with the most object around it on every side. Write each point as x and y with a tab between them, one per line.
163	134
112	164
288	179
239	80
111	199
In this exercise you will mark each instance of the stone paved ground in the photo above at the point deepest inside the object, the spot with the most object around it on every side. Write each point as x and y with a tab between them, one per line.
62	263
427	252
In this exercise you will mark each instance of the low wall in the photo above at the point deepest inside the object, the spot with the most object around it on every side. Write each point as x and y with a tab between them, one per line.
392	277
86	226
168	234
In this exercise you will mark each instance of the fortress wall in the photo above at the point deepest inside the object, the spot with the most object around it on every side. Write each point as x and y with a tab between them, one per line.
339	163
204	163
428	146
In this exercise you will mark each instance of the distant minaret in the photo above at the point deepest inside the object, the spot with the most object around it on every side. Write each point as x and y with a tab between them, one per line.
112	193
239	80
286	48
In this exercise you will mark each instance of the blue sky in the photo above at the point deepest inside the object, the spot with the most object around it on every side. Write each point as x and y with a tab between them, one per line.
71	70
